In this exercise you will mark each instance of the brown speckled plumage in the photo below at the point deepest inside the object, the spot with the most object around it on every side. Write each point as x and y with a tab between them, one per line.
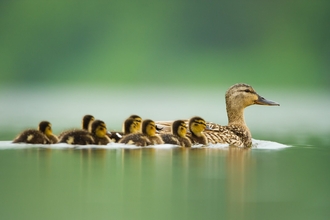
236	133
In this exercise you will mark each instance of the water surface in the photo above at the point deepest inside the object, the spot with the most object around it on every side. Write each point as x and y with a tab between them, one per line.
270	181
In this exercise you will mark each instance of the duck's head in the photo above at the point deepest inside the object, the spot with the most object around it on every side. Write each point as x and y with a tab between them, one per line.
242	95
179	128
87	122
137	120
197	125
149	127
46	128
99	128
131	126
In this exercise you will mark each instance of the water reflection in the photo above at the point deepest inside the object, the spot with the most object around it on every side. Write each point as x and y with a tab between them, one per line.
164	183
238	163
177	178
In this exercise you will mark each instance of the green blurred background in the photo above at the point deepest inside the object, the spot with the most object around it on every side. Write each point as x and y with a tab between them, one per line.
181	42
162	60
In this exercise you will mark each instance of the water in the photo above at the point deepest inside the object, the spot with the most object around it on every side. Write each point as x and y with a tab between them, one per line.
270	181
285	177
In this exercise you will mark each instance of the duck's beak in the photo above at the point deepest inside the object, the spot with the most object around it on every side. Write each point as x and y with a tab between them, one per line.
262	101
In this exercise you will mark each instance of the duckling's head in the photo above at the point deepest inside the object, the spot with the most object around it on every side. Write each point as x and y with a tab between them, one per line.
197	125
130	126
87	121
46	128
149	127
242	95
137	120
99	128
179	128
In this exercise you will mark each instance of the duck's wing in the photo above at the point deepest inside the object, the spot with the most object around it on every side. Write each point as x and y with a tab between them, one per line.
211	126
232	135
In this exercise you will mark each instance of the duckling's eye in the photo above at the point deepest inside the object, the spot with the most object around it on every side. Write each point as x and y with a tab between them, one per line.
247	90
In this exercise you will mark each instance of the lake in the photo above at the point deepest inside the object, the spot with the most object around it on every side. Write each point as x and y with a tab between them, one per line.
284	176
270	181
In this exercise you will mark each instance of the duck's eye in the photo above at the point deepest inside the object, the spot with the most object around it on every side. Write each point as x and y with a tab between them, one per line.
247	90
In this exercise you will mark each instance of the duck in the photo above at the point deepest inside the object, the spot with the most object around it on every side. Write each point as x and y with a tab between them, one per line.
196	126
177	135
115	136
77	137
96	136
236	133
131	126
86	123
44	135
99	132
147	137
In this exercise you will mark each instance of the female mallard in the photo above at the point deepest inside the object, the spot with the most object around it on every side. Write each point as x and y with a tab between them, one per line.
177	135
238	97
236	133
86	123
43	135
196	126
128	128
147	137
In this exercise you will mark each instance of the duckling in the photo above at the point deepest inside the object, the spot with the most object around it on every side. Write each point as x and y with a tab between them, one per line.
147	137
178	135
149	128
86	122
43	135
77	137
99	132
131	126
196	126
236	133
82	137
117	135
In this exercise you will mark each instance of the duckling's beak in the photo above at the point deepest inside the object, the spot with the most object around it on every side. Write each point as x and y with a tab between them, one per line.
262	101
